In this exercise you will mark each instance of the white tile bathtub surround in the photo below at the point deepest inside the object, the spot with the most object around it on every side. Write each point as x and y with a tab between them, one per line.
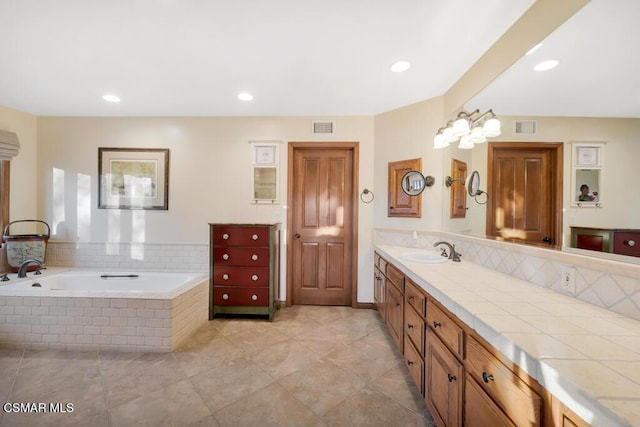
129	256
605	283
586	356
93	324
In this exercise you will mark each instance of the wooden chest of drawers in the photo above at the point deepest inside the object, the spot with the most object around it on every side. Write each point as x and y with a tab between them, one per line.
244	269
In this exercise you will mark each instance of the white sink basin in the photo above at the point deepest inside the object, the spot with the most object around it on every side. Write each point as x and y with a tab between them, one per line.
426	257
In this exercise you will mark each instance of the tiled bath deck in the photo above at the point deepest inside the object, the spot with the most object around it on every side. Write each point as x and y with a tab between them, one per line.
313	366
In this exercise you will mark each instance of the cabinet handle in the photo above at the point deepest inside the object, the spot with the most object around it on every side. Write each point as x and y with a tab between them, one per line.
225	256
409	362
225	236
629	242
254	257
225	296
254	277
452	378
487	378
397	304
225	276
254	237
411	298
254	297
436	324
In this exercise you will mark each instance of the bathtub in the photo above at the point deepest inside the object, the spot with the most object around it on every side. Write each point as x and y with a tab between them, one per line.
102	310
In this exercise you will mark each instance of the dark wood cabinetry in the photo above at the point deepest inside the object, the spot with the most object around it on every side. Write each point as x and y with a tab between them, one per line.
244	269
613	240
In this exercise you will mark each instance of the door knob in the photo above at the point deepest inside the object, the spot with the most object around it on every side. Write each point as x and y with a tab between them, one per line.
297	236
546	239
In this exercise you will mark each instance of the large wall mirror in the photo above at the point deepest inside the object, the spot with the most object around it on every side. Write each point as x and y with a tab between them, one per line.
592	95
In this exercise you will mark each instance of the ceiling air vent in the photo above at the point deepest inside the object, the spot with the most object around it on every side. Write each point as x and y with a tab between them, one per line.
526	127
322	128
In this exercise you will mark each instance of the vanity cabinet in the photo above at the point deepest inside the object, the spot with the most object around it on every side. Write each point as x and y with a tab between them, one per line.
244	269
414	332
464	380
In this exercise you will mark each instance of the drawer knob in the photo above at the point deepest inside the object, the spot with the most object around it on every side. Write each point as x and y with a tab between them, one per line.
436	324
254	257
225	276
411	298
410	325
254	277
452	378
630	243
254	297
254	237
225	256
487	378
225	236
225	296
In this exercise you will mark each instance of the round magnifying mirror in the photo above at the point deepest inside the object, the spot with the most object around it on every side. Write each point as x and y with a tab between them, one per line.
473	184
413	183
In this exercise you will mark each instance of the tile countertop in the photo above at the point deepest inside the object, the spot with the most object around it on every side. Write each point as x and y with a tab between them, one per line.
586	356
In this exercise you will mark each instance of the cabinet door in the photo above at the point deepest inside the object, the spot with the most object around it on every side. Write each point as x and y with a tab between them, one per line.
480	410
400	203
378	290
444	383
395	314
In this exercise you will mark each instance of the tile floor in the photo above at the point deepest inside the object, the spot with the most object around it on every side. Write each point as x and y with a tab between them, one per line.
313	366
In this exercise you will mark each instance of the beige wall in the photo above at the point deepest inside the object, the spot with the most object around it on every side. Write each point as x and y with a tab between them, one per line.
407	133
24	167
210	177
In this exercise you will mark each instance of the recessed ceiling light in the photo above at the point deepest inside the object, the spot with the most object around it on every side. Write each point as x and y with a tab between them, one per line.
111	98
245	96
546	65
400	66
533	49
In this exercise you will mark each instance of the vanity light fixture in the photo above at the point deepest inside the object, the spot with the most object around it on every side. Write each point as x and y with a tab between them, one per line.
471	128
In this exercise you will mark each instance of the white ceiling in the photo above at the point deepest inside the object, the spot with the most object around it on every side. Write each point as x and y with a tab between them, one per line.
598	75
192	57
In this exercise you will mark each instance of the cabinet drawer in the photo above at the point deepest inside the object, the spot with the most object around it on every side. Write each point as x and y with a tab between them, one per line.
480	410
414	297
241	236
245	276
237	295
415	364
414	328
444	326
626	243
241	256
516	398
395	276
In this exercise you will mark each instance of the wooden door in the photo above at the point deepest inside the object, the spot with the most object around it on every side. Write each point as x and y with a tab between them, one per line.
525	192
322	253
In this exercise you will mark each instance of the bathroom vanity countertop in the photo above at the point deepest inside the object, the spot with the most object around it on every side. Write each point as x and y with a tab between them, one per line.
586	356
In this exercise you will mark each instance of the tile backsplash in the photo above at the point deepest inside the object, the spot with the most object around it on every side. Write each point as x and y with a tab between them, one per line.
129	256
605	283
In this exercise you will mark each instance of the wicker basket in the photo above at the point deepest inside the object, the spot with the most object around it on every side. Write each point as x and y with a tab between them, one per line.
21	247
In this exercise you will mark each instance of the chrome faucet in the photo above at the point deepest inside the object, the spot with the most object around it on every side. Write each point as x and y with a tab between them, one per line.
22	270
453	255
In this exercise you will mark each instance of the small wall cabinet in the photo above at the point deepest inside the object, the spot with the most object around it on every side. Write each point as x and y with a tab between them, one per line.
244	269
401	204
586	174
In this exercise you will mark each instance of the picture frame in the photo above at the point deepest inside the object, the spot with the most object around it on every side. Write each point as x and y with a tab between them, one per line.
587	156
265	155
133	178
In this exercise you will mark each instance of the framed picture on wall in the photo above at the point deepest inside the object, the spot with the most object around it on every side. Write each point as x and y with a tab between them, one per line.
133	178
